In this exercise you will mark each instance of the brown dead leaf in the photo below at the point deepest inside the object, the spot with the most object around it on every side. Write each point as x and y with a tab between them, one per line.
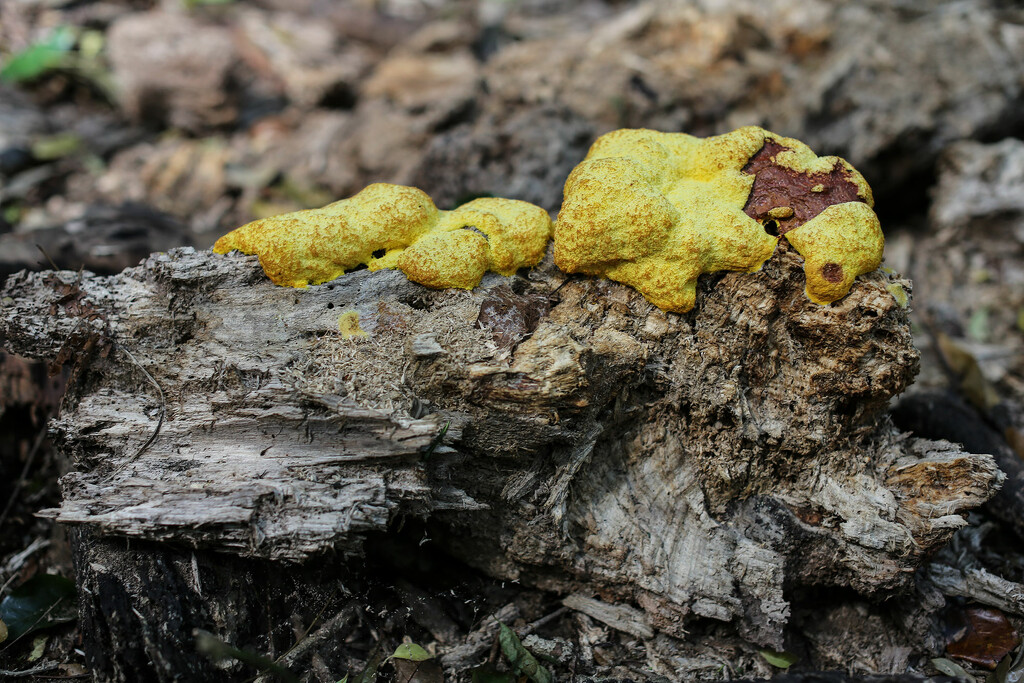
964	365
1015	438
409	671
987	638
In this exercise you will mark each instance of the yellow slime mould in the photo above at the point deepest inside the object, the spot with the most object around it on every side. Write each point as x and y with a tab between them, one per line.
393	226
655	210
348	325
652	210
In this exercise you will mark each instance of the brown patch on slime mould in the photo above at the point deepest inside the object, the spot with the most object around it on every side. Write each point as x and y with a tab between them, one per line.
833	272
789	197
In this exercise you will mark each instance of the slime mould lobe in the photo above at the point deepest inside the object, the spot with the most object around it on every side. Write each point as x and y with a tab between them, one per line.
394	226
656	210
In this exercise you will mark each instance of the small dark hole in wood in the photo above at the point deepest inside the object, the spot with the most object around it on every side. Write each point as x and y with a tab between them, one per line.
772	228
329	306
420	303
380	253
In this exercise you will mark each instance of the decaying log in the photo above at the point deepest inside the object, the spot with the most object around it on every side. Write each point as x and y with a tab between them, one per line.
555	430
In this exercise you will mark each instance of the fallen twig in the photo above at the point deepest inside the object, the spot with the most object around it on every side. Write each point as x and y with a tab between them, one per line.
25	673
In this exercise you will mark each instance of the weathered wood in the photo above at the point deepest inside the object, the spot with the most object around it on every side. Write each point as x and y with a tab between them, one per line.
620	617
141	604
573	437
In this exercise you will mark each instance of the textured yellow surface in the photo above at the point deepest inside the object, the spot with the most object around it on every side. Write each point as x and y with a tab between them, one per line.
348	325
393	226
655	210
652	210
840	243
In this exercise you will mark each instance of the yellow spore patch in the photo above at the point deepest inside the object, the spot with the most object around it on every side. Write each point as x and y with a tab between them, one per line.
348	325
394	226
655	210
899	294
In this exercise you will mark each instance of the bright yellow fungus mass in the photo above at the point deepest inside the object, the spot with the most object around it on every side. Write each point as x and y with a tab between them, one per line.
393	226
655	210
651	210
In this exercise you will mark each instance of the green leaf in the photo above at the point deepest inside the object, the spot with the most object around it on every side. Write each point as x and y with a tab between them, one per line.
780	660
520	658
56	146
216	650
40	57
38	648
977	326
436	441
12	213
90	44
42	601
343	680
1011	669
369	674
412	652
951	668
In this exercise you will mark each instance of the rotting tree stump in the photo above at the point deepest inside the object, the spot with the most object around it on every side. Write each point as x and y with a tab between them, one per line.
556	430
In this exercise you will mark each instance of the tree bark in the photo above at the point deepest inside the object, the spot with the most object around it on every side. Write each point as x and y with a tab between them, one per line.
555	430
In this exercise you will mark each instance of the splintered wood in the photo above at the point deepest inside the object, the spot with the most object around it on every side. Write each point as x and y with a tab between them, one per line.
560	431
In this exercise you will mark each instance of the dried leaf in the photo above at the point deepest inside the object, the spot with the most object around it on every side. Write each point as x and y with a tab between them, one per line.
509	316
988	637
410	671
1015	438
973	384
3	631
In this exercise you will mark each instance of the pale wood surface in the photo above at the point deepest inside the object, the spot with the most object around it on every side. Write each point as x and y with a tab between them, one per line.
692	465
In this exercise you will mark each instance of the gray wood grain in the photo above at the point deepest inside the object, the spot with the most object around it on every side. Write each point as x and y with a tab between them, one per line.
691	465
